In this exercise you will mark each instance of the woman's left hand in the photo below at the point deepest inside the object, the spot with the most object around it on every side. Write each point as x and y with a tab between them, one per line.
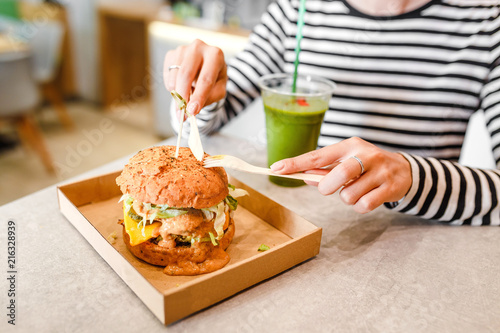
386	176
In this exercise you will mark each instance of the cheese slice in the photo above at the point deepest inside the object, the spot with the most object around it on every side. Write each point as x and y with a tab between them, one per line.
135	234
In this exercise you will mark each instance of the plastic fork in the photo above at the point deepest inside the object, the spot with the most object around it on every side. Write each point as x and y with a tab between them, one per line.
232	162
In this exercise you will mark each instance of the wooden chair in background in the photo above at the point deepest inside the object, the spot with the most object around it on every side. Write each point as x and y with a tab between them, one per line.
51	47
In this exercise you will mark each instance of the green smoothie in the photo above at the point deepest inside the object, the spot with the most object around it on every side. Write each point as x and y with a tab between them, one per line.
293	116
293	126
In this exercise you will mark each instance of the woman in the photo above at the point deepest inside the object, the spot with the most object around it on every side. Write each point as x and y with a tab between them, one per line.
409	75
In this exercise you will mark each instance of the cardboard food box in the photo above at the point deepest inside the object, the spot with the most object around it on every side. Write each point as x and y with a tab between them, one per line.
92	207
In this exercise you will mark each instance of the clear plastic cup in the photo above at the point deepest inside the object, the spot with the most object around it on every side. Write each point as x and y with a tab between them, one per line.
293	119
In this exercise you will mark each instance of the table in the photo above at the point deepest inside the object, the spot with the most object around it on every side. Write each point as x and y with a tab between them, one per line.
379	272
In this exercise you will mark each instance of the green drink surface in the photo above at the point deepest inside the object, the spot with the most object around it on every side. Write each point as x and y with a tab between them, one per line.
293	127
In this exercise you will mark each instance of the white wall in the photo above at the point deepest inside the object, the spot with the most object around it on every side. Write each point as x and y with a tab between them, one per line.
82	16
476	151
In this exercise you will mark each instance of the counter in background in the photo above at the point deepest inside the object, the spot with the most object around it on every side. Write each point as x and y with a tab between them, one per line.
164	36
123	48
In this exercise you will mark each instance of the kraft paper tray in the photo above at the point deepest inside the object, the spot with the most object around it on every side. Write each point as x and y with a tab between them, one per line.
92	207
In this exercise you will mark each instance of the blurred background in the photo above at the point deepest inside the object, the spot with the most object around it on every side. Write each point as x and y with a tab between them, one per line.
81	81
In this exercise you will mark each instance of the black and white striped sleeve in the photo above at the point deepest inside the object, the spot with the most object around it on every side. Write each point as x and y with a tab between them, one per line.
262	55
448	192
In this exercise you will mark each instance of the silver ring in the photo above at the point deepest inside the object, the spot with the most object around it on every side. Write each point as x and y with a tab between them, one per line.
173	67
360	164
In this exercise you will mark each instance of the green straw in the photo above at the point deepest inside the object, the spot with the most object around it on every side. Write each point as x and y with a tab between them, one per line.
300	24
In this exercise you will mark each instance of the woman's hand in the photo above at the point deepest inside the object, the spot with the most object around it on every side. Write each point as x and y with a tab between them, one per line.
386	177
202	76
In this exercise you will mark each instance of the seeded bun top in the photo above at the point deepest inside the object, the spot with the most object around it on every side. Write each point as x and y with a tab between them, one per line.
155	176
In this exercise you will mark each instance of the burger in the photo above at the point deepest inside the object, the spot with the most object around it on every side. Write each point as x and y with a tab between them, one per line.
177	213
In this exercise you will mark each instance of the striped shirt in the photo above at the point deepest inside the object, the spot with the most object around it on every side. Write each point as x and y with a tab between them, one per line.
406	83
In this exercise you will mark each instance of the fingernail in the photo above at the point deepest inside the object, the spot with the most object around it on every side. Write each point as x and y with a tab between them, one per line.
192	108
277	166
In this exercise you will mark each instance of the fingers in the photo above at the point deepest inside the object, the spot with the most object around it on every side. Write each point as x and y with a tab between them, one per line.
316	172
201	66
386	177
174	58
342	174
370	200
389	179
319	158
208	78
190	67
354	190
180	114
218	92
169	75
312	160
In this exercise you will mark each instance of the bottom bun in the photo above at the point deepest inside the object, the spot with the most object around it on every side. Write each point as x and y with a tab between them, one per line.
185	260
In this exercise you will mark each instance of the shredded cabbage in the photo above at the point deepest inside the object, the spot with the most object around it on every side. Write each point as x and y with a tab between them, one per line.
168	213
208	214
220	208
212	209
237	192
212	239
152	216
127	201
152	211
220	219
234	193
164	212
164	206
142	224
198	239
124	197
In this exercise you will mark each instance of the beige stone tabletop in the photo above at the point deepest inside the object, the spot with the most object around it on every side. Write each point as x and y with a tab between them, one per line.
379	272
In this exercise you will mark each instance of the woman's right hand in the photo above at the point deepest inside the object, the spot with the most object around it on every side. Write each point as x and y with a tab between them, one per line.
202	76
